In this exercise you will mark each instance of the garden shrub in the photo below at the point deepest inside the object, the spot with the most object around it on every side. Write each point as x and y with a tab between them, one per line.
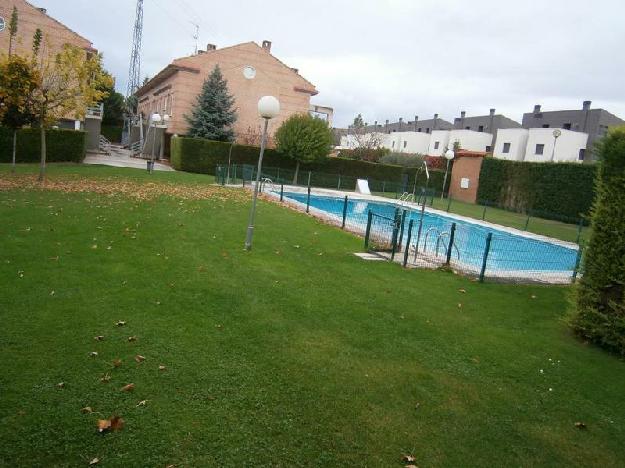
62	145
561	191
600	294
112	133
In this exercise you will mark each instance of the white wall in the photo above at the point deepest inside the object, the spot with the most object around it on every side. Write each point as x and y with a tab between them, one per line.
566	149
470	140
517	138
442	138
408	142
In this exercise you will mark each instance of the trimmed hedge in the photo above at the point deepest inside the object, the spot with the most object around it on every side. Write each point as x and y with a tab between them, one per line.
202	156
61	145
561	191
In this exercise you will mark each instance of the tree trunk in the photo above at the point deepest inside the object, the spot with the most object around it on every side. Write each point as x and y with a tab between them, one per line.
296	173
14	149
42	168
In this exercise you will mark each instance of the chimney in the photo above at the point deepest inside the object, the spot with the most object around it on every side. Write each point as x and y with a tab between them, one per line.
267	45
586	105
537	109
416	119
401	122
210	47
435	122
296	70
492	112
462	116
375	126
491	123
386	126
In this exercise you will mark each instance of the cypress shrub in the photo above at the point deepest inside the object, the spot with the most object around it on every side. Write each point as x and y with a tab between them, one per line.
62	145
202	156
600	294
112	133
562	191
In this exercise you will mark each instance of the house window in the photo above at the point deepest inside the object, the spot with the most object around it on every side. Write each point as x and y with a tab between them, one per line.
539	149
582	153
480	128
419	129
506	148
427	130
405	143
393	145
489	148
436	143
467	128
545	125
567	126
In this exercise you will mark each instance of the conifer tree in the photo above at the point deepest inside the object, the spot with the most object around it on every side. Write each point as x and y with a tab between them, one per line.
213	115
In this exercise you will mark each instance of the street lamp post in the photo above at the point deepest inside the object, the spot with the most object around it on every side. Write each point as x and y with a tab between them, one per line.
449	155
268	108
556	134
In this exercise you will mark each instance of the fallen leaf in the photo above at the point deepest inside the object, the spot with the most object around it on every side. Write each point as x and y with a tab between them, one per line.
411	466
52	293
105	378
60	385
132	338
408	459
94	461
94	246
533	297
114	423
121	323
462	291
98	338
93	354
104	425
86	410
117	423
459	305
117	362
161	368
580	425
127	388
142	403
139	358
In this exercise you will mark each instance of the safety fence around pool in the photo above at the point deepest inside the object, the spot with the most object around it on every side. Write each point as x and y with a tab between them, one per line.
416	236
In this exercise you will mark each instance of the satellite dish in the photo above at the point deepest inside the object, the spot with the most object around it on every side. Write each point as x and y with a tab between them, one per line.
557	133
249	72
2	24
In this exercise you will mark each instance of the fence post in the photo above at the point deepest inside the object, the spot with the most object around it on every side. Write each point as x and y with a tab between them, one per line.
448	203
579	230
452	236
489	238
484	213
368	231
308	200
309	174
432	199
395	232
527	221
281	191
420	223
578	260
407	249
344	212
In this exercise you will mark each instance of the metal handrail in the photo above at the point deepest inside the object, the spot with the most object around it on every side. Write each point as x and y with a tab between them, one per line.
439	240
425	237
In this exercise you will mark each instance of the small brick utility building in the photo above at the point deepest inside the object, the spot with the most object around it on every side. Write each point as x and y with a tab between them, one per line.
251	72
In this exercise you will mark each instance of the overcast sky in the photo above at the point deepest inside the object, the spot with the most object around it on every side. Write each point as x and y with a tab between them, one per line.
390	58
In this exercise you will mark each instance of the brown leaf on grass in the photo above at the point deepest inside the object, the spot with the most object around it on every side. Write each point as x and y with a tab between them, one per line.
121	323
408	458
105	378
459	305
533	296
114	423
94	461
462	290
127	388
162	367
411	466
139	358
117	362
93	354
86	410
142	403
132	338
60	385
580	425
98	338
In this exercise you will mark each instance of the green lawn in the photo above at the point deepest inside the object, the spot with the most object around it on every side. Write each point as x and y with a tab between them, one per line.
295	354
545	227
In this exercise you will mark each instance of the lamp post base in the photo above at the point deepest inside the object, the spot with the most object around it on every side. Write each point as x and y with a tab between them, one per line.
248	238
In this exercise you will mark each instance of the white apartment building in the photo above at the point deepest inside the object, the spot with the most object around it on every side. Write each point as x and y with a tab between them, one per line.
541	145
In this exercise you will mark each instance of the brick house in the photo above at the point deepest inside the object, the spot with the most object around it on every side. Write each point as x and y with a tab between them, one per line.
251	72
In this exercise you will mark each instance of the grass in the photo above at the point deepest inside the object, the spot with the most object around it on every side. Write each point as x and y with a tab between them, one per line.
545	227
297	353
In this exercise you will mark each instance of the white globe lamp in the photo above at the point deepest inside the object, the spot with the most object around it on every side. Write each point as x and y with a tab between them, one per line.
268	107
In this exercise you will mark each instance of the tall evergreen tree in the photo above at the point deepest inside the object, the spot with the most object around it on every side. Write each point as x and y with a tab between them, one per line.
213	114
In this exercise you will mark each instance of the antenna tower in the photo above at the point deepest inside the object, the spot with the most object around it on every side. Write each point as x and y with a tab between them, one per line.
134	70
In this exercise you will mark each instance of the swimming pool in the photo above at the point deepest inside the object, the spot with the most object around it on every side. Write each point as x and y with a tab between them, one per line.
512	253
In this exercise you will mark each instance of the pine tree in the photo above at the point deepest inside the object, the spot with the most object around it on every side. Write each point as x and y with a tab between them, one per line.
213	114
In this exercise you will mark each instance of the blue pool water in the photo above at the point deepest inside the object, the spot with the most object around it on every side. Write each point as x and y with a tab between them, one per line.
508	252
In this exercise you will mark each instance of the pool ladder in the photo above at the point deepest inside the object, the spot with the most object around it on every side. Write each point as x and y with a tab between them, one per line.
439	241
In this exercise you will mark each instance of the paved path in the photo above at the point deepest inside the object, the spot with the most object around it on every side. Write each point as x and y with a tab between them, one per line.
120	157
